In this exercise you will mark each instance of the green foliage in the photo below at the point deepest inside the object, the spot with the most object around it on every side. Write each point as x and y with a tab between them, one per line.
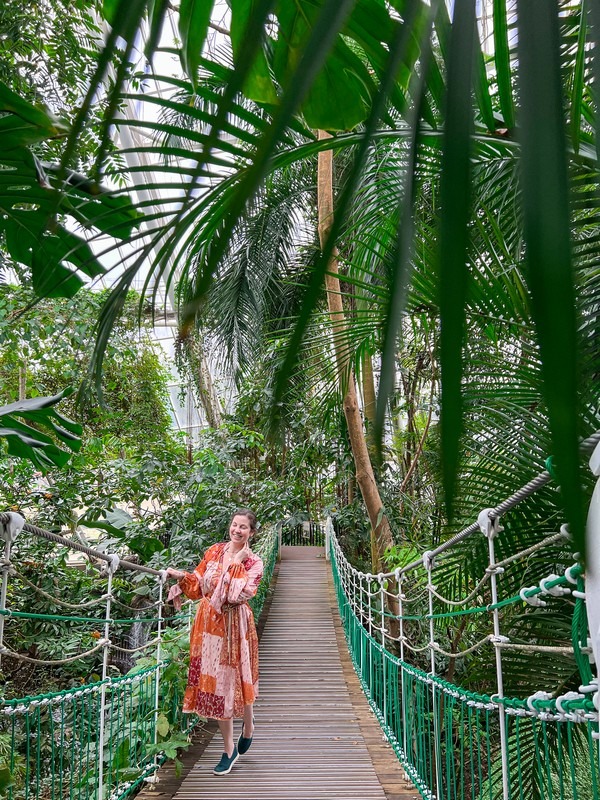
25	441
49	343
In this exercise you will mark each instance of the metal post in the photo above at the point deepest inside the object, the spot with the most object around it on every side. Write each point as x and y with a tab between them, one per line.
279	539
161	583
383	658
4	589
491	528
402	662
592	578
9	530
112	567
328	531
361	620
428	564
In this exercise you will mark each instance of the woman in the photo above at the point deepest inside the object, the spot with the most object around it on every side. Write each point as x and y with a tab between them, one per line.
223	675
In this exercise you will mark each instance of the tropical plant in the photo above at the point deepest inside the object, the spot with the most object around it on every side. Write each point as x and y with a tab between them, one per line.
427	65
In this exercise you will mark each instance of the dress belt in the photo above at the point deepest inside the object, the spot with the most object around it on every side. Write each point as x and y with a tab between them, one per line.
227	608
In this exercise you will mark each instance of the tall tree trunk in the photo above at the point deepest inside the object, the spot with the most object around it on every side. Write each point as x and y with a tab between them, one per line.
381	535
202	379
369	401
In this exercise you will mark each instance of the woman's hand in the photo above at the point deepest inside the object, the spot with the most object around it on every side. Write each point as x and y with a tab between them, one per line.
241	555
175	573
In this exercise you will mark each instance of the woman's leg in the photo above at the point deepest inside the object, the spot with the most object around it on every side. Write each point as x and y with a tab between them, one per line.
248	728
226	728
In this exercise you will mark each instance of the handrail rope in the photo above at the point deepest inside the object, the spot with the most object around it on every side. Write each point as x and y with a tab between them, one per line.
462	653
54	537
133	608
522	554
526	595
5	651
580	704
62	694
54	599
150	643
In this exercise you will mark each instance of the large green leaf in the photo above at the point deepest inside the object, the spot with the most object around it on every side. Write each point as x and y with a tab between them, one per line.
258	84
194	16
453	248
547	231
25	441
35	116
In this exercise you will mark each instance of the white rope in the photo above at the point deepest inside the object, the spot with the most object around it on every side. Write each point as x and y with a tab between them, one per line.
46	662
54	599
463	653
135	649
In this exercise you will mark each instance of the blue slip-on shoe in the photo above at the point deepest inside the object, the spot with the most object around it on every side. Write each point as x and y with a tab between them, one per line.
226	763
244	743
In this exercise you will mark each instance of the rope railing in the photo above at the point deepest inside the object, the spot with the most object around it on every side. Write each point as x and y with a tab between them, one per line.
103	739
478	742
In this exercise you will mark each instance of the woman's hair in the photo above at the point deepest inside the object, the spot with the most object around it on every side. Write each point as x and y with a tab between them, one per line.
246	512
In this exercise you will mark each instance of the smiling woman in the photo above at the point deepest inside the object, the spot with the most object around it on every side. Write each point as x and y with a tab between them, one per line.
223	676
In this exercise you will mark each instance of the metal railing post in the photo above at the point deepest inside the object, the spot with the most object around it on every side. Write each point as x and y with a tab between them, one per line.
112	567
490	527
592	579
401	631
428	564
159	629
381	580
9	531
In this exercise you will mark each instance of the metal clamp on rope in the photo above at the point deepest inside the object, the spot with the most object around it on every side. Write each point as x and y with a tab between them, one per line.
428	560
571	714
555	591
111	565
537	696
494	570
571	578
532	601
11	525
489	526
498	640
162	575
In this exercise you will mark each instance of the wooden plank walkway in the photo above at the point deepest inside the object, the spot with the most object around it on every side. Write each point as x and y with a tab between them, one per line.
315	738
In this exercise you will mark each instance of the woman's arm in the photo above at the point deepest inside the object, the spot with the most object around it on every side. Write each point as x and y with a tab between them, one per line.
191	582
241	581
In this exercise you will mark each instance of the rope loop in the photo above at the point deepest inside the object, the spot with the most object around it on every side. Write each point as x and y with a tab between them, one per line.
565	698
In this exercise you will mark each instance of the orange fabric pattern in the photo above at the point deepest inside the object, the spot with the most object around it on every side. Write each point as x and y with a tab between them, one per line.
223	675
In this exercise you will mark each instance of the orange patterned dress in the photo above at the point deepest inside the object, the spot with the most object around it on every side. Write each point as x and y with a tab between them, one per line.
223	674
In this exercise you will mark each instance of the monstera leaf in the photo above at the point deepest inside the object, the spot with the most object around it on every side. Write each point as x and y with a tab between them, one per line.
26	440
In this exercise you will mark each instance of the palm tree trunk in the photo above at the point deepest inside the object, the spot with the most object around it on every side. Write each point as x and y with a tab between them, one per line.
381	535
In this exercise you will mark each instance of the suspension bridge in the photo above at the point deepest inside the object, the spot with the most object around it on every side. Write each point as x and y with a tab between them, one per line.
366	685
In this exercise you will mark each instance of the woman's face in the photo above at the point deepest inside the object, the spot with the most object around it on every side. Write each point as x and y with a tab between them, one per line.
240	530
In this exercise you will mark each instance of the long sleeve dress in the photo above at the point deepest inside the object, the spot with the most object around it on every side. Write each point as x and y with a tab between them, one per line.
223	675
